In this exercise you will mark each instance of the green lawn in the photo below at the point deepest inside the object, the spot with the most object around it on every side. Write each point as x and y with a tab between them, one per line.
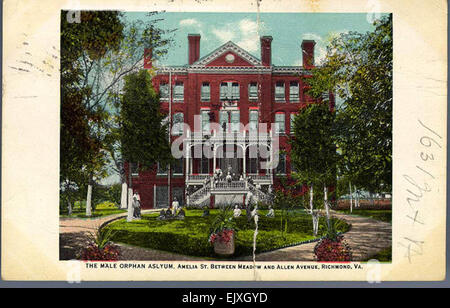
382	215
190	236
102	209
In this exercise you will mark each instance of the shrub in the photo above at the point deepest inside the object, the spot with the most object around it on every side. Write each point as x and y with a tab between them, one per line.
329	249
94	253
223	221
364	204
100	248
190	236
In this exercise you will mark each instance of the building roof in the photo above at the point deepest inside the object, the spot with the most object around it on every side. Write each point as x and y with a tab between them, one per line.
201	65
227	47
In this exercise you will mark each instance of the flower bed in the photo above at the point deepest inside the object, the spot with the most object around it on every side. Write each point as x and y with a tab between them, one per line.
336	250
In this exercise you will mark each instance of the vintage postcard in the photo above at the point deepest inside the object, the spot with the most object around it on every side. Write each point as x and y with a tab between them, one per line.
224	140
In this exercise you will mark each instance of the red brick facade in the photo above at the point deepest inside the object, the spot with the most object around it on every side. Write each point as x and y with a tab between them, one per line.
216	69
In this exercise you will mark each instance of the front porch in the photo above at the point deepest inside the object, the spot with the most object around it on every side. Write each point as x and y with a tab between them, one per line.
217	167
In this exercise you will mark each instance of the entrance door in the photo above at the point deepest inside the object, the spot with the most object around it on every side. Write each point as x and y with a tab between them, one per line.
234	162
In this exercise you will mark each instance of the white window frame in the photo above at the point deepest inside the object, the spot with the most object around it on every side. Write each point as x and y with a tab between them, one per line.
178	97
278	130
221	118
250	120
203	96
278	97
255	97
205	115
235	125
164	85
296	97
179	131
230	90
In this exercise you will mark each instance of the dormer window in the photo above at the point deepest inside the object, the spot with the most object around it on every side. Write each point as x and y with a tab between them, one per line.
253	91
229	91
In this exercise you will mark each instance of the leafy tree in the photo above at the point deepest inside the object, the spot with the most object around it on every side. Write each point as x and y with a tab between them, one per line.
313	150
139	37
94	35
358	67
96	54
143	135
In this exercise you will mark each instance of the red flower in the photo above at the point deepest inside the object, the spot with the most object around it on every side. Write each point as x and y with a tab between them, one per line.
93	253
223	236
333	250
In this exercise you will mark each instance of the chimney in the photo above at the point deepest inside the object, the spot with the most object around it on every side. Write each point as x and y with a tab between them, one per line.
194	47
148	53
266	50
308	53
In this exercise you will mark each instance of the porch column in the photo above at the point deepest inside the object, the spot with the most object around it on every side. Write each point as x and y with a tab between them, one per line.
186	156
214	159
244	167
270	159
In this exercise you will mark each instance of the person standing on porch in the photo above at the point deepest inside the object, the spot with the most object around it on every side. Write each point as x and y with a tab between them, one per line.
229	178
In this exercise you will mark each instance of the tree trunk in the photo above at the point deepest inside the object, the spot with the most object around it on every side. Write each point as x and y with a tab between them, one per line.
315	219
325	201
69	207
356	197
351	198
89	199
130	196
123	194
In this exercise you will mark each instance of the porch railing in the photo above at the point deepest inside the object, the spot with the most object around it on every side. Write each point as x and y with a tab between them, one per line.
198	177
234	185
260	177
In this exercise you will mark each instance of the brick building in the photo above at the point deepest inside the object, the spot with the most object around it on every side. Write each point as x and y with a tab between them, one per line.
227	86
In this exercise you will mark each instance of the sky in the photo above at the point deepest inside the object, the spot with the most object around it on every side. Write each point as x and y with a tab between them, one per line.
287	30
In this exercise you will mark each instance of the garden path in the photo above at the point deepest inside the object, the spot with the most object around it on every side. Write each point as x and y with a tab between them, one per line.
74	232
366	238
